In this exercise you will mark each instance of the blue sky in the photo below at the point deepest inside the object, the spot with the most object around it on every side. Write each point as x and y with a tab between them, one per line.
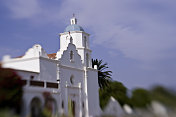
137	38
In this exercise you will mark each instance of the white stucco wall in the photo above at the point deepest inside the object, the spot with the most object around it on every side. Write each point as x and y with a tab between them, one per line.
78	39
26	64
93	93
48	69
27	75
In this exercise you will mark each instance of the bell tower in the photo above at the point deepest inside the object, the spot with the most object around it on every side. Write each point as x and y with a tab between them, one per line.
76	35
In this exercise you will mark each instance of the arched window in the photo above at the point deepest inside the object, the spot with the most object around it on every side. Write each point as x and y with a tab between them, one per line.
82	104
83	109
35	107
87	60
62	104
85	42
72	79
71	56
50	105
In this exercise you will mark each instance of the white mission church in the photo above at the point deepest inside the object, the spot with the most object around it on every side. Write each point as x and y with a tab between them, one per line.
67	76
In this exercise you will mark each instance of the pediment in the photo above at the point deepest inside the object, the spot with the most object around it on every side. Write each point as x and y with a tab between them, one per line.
35	51
71	58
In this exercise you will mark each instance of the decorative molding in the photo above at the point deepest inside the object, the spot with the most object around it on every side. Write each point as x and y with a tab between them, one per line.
48	59
27	59
19	70
41	90
19	59
92	69
74	32
85	49
72	68
73	86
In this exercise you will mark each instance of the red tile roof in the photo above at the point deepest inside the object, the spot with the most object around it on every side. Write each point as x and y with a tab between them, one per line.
19	56
52	56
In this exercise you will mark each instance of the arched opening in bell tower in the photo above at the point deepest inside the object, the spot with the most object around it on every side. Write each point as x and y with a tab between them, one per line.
87	60
85	42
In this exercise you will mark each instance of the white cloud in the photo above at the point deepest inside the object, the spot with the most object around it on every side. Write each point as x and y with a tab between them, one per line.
23	9
140	30
35	11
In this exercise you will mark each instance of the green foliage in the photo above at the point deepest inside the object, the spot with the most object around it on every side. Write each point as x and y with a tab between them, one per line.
7	113
115	89
70	108
10	89
164	96
103	76
140	98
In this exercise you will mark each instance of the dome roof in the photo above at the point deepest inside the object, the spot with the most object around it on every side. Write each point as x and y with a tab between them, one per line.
73	27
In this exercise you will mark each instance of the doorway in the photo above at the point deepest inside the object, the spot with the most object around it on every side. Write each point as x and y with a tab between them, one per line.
73	108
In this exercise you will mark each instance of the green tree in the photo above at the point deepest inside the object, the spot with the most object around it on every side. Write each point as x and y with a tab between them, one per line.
115	89
164	95
140	98
10	89
103	76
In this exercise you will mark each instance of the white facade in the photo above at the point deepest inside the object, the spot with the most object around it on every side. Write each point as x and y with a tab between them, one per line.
66	76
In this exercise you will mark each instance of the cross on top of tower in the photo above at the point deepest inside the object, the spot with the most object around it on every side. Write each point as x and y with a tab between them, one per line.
73	15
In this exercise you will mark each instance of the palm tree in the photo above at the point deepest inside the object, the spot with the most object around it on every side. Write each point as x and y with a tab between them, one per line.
103	76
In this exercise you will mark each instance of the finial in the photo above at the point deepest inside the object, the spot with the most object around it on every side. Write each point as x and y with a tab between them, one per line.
73	15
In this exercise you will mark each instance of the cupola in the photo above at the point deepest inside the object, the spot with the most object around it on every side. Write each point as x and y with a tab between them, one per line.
73	25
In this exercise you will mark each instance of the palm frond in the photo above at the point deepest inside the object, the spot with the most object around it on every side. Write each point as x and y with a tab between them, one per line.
103	76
